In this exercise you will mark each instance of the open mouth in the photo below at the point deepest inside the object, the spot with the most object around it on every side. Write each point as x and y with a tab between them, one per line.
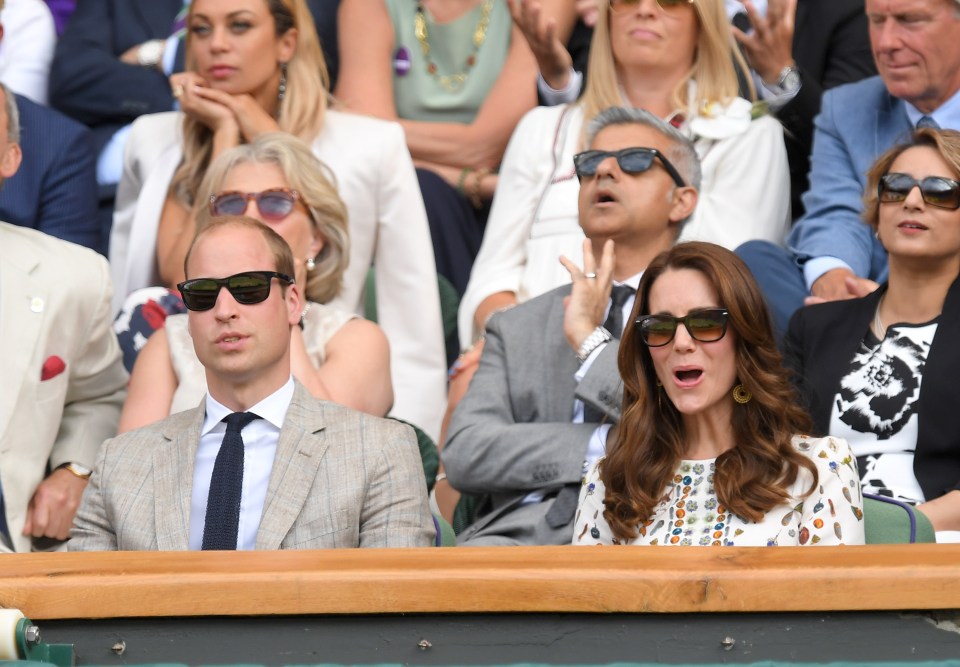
604	197
911	225
689	375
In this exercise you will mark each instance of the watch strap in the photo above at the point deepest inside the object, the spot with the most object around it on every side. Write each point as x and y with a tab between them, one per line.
597	337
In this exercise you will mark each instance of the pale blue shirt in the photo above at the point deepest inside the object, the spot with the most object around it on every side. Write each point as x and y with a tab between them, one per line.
260	439
947	116
110	160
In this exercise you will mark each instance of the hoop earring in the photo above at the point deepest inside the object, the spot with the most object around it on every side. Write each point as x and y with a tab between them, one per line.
741	395
311	264
282	90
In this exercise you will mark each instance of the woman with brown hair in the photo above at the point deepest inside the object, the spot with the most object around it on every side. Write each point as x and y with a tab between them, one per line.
709	448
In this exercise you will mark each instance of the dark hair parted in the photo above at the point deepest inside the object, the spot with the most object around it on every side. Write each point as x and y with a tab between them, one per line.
752	477
944	142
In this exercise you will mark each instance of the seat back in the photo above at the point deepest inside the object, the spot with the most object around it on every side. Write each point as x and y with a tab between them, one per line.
889	521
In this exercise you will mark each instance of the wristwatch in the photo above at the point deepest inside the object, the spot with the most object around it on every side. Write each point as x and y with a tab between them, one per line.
150	52
80	471
597	337
789	80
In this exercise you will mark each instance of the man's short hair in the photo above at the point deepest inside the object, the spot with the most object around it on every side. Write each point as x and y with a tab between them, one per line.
13	115
282	255
681	154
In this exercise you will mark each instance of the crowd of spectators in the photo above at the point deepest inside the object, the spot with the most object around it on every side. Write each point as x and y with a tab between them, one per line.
687	264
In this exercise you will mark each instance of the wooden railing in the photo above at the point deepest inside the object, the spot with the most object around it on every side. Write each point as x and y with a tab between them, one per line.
470	580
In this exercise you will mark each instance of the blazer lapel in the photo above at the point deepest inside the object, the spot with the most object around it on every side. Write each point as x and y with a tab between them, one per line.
893	126
173	465
299	452
22	305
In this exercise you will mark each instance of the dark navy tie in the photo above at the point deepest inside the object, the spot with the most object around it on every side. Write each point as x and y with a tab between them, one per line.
619	295
222	522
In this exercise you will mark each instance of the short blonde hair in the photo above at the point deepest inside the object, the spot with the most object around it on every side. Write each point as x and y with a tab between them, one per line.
301	111
306	174
715	65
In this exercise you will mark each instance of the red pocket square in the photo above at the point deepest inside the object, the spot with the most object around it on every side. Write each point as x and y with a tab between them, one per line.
52	367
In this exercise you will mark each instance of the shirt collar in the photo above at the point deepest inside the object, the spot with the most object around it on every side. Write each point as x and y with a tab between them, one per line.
947	115
633	281
272	409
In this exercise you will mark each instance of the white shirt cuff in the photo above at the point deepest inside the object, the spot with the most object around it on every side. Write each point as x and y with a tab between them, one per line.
554	97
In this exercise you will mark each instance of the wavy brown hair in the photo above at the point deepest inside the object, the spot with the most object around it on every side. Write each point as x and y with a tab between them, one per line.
944	142
751	478
301	112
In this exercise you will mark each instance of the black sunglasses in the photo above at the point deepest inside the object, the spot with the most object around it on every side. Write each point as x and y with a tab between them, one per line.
274	204
631	161
247	288
665	5
705	325
935	190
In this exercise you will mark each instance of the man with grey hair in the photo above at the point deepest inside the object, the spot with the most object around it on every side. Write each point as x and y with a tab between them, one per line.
63	380
55	189
547	391
832	255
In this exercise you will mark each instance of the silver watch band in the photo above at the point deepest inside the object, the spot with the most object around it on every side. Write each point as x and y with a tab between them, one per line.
597	337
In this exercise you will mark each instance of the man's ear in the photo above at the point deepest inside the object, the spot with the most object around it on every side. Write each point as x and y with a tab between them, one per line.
10	161
684	203
294	304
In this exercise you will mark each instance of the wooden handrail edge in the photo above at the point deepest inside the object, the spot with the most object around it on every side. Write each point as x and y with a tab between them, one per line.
482	580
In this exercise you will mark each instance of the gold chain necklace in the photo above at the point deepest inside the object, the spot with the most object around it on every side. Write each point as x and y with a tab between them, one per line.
452	82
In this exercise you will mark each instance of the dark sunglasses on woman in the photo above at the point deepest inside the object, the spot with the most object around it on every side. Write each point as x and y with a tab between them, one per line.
248	288
631	160
274	204
705	325
935	190
665	5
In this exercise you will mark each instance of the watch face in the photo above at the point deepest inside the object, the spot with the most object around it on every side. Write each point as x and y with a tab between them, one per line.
791	81
149	53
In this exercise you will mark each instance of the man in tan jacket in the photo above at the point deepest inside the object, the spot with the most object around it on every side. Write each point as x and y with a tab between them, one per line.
63	380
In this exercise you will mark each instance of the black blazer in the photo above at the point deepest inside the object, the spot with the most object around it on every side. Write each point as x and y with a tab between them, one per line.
822	340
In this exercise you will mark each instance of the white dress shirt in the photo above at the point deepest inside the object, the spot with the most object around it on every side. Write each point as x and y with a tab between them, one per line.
260	439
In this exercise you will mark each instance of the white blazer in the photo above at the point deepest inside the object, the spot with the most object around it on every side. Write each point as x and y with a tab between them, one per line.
388	229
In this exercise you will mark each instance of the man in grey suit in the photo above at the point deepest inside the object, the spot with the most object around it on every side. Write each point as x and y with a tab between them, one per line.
287	470
547	390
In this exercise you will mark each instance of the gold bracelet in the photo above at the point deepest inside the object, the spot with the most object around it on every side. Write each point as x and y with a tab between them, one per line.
474	194
463	179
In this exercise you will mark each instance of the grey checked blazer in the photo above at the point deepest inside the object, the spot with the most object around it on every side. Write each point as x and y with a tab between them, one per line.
340	478
512	433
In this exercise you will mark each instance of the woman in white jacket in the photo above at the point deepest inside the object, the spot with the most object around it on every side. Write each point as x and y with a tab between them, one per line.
676	59
255	66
